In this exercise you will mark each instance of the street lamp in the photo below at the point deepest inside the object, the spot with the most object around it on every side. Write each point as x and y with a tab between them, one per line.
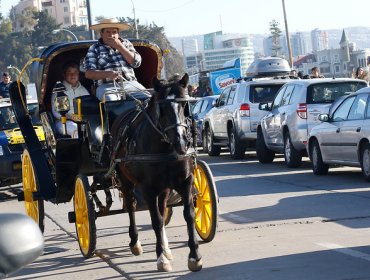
135	24
55	31
13	67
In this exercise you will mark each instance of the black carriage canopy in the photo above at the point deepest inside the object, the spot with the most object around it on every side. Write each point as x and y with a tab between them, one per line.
48	71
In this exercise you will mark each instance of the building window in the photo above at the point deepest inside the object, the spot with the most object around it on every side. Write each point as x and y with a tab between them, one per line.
66	20
337	69
66	9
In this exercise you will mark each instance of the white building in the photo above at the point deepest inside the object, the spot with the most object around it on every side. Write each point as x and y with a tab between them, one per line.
219	48
65	12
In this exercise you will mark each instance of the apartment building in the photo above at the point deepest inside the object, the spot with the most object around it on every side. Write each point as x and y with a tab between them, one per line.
65	12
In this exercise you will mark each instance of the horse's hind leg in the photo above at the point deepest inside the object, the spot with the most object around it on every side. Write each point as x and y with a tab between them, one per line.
130	204
163	264
195	259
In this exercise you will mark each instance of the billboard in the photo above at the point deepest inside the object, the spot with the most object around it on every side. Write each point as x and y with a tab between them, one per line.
221	78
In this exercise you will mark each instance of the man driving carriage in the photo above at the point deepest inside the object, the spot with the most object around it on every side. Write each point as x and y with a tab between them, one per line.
112	58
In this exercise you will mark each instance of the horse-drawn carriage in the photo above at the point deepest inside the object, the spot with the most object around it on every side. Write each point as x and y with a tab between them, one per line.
111	151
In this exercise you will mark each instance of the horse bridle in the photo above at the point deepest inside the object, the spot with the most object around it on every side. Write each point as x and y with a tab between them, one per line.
163	131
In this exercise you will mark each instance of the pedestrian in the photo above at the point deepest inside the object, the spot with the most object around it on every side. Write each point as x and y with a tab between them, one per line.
360	73
315	73
190	90
73	89
112	58
4	85
208	91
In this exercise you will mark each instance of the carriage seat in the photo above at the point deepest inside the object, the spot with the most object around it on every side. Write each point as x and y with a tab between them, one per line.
90	112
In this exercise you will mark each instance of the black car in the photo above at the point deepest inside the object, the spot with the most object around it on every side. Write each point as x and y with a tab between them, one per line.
200	109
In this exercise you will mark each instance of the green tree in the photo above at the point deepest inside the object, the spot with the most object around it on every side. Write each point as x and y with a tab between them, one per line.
173	61
42	35
275	36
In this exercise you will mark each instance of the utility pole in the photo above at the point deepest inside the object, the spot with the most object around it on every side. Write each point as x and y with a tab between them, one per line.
88	7
287	37
135	23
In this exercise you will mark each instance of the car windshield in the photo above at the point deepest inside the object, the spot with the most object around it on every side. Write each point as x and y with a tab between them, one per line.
263	93
329	92
8	120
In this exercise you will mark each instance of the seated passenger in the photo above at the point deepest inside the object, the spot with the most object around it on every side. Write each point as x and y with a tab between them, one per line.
74	89
112	58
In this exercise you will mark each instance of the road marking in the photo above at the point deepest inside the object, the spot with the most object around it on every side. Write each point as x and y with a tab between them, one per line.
346	251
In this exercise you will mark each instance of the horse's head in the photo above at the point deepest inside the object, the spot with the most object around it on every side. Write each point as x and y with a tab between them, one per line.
171	111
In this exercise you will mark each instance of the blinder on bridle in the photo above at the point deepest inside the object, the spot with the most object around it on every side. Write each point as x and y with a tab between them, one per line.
185	124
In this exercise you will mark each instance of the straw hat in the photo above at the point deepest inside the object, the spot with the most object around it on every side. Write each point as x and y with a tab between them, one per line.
110	23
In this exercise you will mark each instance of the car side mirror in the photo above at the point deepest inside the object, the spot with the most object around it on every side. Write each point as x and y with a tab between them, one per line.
324	117
21	242
264	106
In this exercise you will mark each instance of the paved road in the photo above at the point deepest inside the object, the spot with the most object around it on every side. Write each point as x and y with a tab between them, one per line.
274	223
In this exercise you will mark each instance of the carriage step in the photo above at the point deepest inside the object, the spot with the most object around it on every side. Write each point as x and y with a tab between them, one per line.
72	217
20	196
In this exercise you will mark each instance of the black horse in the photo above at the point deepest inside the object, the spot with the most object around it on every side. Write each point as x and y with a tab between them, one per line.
155	156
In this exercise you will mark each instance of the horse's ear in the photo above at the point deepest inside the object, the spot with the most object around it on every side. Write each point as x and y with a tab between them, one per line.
184	81
156	83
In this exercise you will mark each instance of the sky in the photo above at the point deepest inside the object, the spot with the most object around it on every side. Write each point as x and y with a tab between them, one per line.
195	17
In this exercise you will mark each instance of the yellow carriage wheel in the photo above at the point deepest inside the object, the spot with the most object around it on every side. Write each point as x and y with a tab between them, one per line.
205	202
34	207
85	216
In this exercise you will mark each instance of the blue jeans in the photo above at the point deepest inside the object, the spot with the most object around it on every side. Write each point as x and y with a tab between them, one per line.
113	92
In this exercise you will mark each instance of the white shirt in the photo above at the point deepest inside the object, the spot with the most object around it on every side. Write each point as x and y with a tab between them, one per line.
72	93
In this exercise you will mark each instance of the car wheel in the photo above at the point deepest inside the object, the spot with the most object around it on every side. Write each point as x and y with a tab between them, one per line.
213	150
365	162
264	154
293	158
318	165
237	149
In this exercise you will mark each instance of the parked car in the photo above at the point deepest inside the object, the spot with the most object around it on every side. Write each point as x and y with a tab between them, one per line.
233	121
343	136
294	112
12	142
200	109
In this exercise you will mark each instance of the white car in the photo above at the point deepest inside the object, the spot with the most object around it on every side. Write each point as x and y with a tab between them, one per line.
343	136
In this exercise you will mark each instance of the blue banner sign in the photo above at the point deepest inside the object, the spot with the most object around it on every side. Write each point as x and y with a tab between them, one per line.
219	79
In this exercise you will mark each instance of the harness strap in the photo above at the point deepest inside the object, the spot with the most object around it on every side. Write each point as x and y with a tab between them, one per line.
173	156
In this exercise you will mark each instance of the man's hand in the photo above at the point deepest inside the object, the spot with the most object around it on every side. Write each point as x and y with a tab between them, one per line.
113	42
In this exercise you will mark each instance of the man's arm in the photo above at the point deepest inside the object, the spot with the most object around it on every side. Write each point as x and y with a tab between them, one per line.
101	74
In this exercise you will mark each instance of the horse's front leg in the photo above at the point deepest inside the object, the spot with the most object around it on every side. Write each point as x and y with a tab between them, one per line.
130	204
163	264
162	205
195	259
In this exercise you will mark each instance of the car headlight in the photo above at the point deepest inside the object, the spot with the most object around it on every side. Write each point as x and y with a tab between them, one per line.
1	151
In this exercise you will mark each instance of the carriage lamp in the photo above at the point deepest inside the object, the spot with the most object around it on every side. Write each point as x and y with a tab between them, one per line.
61	104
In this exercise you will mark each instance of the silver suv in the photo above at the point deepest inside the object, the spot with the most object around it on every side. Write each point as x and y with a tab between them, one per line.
234	119
294	112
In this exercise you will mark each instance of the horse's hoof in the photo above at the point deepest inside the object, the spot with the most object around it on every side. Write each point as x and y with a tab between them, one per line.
163	265
195	265
167	253
136	249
